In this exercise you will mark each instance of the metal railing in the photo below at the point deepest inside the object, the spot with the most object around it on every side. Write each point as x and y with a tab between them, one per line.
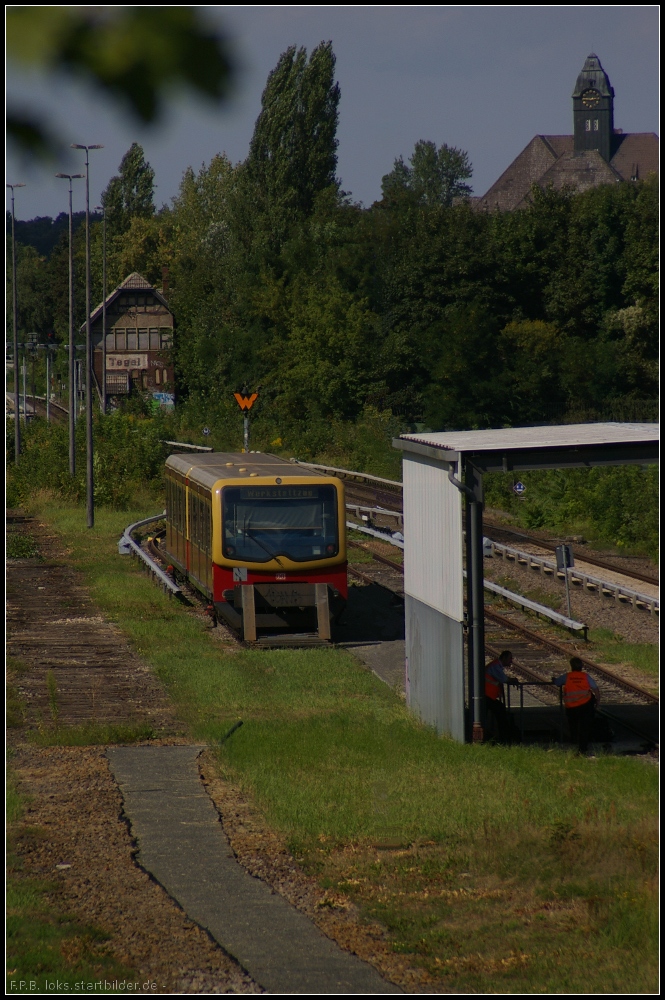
549	684
593	583
385	536
127	546
332	470
539	609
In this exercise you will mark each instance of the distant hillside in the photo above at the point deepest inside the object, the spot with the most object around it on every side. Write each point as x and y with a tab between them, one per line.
43	233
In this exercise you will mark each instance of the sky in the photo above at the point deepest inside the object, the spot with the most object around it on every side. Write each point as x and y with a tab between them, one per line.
485	79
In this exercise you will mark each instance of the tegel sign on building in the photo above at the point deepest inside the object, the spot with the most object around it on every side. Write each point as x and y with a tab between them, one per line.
139	338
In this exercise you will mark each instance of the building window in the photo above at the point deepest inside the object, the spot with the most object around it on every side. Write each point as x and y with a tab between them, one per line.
144	343
595	124
154	340
110	341
167	339
587	125
132	339
158	378
120	340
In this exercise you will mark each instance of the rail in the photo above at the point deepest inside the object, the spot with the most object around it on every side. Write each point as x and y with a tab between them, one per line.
347	472
539	609
184	444
127	546
368	513
619	592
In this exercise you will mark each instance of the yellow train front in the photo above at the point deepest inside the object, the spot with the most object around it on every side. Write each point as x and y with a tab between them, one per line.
263	539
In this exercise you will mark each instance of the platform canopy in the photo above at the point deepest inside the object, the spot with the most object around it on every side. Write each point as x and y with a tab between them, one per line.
563	446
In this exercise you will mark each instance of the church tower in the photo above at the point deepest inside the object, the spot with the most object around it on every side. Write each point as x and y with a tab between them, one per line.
593	109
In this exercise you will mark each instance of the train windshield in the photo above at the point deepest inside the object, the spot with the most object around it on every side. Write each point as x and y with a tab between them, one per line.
261	523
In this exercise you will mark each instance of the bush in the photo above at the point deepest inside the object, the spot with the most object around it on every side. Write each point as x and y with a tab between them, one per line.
615	505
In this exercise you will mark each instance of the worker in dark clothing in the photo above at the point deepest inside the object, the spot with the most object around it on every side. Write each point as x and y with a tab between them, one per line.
580	697
495	703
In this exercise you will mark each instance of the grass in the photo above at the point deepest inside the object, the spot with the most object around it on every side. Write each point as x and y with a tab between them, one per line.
548	600
48	951
89	734
20	546
519	870
614	649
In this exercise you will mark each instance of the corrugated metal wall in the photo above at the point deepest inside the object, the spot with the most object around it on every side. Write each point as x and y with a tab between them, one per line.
434	600
432	536
435	667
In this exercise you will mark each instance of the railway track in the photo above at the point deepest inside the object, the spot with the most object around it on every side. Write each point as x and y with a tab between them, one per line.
537	657
369	491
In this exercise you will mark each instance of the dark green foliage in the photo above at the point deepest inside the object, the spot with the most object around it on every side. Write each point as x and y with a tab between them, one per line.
135	55
435	177
43	232
129	459
130	193
292	155
415	312
616	506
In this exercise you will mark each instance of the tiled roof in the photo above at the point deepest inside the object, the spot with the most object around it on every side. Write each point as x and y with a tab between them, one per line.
551	159
135	280
132	281
636	156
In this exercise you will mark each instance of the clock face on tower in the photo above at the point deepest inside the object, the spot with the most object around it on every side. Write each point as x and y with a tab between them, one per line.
590	98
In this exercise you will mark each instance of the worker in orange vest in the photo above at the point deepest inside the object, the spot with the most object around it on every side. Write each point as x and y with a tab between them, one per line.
580	697
495	678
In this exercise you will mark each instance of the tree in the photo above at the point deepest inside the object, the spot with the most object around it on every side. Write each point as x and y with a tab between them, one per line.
131	193
292	155
133	54
435	177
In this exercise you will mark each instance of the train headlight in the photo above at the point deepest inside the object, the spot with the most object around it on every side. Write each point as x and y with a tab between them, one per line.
230	551
331	549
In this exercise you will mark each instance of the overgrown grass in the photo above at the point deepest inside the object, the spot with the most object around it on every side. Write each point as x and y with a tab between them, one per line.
45	944
614	649
514	862
89	734
20	546
536	594
612	506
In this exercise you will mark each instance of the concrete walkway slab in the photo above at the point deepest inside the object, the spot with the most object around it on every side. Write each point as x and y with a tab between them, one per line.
183	845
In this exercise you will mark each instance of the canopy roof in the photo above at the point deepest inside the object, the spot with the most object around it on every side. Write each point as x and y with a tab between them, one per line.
549	447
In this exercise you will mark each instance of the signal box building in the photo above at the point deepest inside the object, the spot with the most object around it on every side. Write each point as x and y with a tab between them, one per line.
596	153
139	339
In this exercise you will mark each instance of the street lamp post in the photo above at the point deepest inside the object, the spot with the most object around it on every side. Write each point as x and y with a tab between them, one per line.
72	351
17	421
102	208
90	496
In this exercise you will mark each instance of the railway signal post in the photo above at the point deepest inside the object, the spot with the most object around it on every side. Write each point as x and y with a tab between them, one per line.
564	562
245	402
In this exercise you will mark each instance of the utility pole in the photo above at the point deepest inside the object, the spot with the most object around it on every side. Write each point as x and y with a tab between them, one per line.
17	392
102	208
72	350
90	488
